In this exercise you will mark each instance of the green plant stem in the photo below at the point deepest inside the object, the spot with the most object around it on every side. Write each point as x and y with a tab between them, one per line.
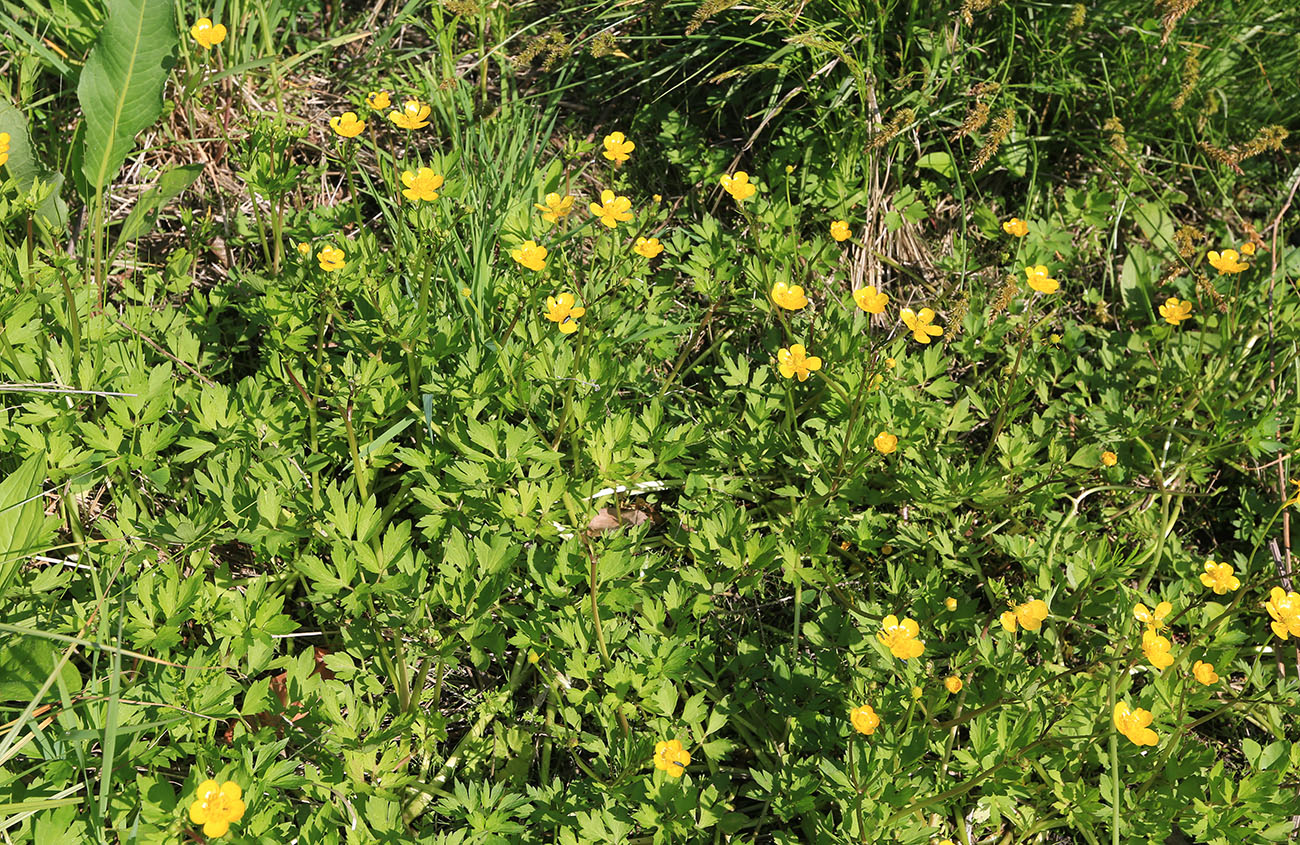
422	321
322	322
686	348
857	788
1000	420
798	613
1114	756
1169	513
74	325
348	161
97	270
569	390
594	581
10	357
31	253
965	786
358	468
268	44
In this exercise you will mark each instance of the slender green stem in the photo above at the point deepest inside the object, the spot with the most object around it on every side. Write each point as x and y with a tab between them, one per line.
569	389
348	161
74	324
358	468
1001	418
1114	757
599	629
31	253
857	788
1169	513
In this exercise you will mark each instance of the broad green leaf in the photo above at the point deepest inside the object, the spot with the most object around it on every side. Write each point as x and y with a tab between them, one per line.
144	214
121	85
26	170
940	163
26	663
24	530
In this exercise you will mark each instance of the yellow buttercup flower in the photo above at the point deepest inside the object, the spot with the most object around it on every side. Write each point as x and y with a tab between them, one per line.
612	209
1219	577
796	362
1156	648
900	637
562	311
1154	618
789	297
4	148
871	300
1227	262
554	206
1039	281
1016	227
414	115
1284	607
953	684
348	125
207	33
330	259
532	256
648	247
1133	724
840	230
618	149
1248	248
950	603
216	806
738	185
864	719
920	324
423	184
1109	458
885	443
1029	615
378	100
1174	311
304	249
671	757
1204	673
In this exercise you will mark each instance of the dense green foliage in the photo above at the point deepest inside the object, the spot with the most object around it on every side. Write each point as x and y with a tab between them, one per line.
407	556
